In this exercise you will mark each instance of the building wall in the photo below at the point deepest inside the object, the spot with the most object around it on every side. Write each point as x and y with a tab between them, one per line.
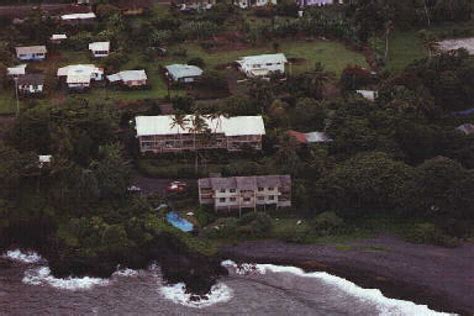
235	199
30	89
135	83
272	67
185	142
253	3
100	53
31	56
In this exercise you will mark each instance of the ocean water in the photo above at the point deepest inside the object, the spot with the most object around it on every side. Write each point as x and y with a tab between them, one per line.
27	287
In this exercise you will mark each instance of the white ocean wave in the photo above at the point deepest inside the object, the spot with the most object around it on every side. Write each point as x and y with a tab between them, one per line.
220	293
23	256
125	272
243	268
387	306
42	276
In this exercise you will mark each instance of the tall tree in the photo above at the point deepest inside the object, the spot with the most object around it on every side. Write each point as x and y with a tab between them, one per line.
198	126
430	42
180	121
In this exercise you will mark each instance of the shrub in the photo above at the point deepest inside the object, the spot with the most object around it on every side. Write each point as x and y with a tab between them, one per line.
204	216
180	51
115	60
328	223
222	228
196	61
428	233
255	224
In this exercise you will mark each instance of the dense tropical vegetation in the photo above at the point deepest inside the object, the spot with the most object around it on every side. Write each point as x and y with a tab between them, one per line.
397	157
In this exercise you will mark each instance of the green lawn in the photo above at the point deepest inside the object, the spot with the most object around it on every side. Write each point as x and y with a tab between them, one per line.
7	103
405	48
333	55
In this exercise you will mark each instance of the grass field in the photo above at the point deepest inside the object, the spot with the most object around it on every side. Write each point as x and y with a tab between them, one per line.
7	103
333	55
405	47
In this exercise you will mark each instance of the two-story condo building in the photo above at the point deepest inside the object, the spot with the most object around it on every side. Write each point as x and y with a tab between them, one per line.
245	192
161	134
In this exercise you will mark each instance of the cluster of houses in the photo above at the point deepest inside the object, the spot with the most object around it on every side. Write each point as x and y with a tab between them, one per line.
75	77
81	76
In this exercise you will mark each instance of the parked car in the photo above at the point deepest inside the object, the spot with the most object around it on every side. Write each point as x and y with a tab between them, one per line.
176	187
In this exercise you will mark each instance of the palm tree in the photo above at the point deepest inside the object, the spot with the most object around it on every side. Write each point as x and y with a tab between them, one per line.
180	121
217	115
388	31
313	82
427	12
198	126
430	42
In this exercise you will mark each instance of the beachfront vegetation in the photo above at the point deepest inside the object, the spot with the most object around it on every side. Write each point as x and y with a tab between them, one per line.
398	157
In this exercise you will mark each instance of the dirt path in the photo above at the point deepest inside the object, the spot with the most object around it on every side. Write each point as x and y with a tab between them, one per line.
440	277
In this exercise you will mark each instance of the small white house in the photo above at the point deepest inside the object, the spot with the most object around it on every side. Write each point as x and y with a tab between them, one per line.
100	49
80	76
16	71
31	53
262	65
58	38
44	160
183	73
129	78
244	4
30	84
368	94
78	18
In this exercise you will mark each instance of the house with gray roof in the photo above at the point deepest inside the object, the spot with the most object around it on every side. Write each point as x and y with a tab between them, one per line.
183	73
30	84
237	193
31	53
129	78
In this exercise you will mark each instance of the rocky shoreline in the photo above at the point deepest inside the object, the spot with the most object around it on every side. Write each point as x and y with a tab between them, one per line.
438	277
178	263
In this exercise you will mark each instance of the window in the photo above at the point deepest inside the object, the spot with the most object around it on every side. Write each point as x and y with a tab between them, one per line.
261	198
232	199
246	199
260	189
222	190
222	200
271	197
268	64
232	190
271	188
257	66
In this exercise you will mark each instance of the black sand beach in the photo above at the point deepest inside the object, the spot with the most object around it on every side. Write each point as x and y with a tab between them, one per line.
442	278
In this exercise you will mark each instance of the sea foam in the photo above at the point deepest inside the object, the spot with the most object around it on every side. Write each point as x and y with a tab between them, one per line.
220	293
387	306
42	276
23	256
125	273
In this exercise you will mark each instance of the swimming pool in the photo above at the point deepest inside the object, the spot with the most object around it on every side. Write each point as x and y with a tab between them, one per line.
177	221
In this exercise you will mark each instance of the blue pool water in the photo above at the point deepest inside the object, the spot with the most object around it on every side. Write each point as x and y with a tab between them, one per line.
177	221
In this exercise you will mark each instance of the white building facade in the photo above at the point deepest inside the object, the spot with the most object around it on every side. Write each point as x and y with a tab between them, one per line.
245	192
262	65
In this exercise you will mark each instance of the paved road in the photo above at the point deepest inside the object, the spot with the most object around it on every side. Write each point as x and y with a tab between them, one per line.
24	10
155	185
